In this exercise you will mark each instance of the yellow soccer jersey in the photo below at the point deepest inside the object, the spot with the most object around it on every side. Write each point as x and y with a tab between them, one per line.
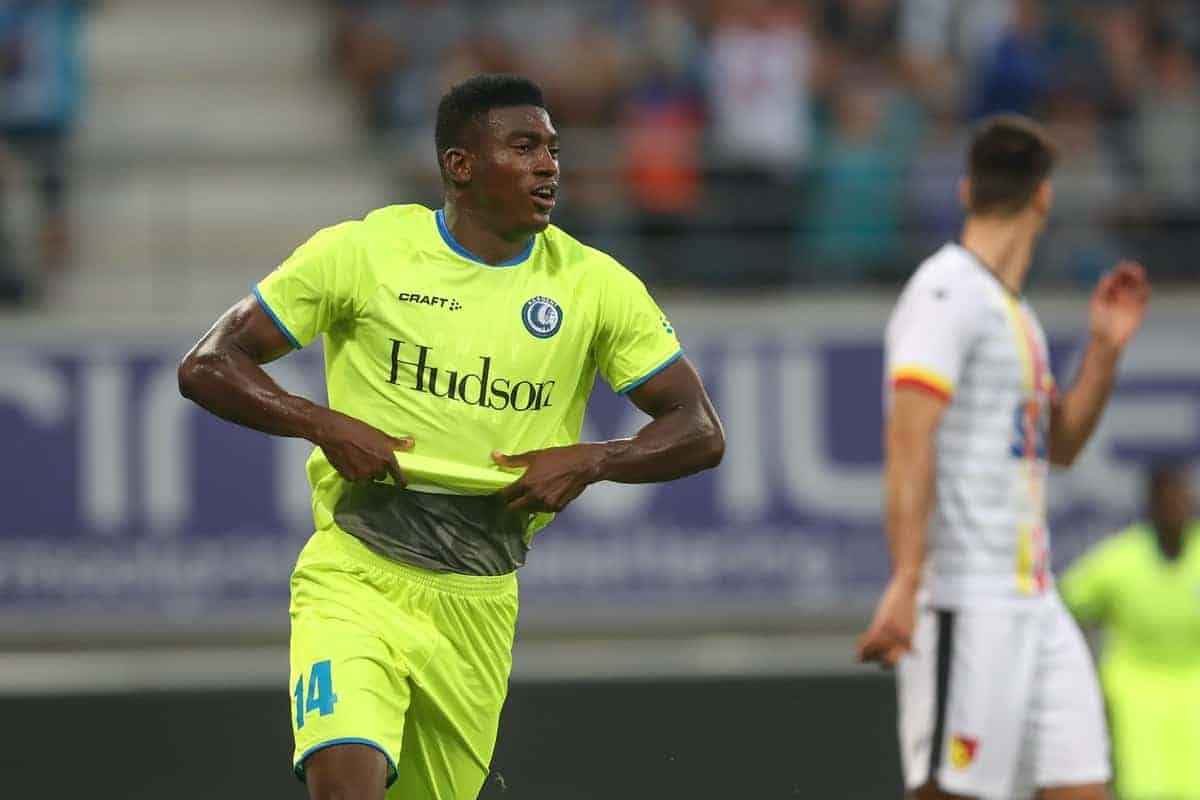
423	339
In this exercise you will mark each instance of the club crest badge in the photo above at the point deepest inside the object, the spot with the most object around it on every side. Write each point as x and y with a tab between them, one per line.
542	317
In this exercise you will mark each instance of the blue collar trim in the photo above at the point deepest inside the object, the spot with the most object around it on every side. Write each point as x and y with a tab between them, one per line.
453	244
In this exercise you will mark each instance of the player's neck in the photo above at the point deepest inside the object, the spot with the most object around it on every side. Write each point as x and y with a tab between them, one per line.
1170	541
1004	245
471	231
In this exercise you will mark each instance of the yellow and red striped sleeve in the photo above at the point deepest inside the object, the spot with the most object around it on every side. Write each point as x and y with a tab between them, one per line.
924	379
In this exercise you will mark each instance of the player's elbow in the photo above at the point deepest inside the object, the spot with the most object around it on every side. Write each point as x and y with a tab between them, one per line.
713	446
192	374
187	376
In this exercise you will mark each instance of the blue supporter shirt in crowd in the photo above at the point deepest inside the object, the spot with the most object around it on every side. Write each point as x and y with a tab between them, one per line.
40	82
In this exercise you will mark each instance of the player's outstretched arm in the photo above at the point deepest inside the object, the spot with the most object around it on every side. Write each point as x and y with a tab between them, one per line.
222	374
1117	308
684	437
911	425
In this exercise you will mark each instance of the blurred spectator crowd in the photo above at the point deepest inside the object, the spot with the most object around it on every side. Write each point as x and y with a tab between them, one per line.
716	143
774	142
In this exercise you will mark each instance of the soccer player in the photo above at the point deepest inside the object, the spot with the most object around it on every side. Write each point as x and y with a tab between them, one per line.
1143	587
460	349
997	695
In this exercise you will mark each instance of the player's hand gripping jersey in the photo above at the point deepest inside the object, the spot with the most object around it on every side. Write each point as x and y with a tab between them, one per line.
959	333
424	340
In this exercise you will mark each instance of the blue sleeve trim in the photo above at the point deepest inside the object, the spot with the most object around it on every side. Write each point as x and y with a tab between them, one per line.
678	355
275	318
299	767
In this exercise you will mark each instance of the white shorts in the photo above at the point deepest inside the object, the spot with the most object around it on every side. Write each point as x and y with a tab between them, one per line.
998	702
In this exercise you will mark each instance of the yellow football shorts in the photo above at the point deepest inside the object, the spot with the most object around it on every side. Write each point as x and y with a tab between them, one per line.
411	662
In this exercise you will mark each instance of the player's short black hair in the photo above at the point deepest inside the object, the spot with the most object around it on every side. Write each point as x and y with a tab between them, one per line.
460	107
1010	156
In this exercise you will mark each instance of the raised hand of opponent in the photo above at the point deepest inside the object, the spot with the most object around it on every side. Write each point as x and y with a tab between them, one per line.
1118	304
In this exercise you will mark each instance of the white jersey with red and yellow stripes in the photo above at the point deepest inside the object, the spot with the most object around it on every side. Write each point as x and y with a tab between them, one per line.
958	333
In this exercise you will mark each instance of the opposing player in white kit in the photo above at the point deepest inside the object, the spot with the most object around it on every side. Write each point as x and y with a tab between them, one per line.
997	694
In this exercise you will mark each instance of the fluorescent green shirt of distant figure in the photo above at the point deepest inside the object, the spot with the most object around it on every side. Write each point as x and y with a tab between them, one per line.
1149	609
424	340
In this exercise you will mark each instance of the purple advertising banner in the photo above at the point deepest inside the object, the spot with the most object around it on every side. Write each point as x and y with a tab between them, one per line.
122	497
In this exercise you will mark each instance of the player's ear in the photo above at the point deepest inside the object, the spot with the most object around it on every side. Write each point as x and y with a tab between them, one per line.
1043	198
456	162
964	192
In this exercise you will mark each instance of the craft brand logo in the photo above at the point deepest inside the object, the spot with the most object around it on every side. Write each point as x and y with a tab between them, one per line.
484	388
448	303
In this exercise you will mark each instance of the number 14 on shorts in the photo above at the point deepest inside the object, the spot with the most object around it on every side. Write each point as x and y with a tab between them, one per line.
320	692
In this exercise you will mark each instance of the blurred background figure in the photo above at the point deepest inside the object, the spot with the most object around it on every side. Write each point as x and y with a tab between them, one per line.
1141	588
40	88
662	132
760	59
1014	75
851	226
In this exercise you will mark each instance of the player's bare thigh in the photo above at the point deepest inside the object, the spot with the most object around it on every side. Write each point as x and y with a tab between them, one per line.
346	772
1093	791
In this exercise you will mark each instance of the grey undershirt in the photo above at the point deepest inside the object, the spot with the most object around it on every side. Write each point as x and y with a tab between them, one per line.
470	535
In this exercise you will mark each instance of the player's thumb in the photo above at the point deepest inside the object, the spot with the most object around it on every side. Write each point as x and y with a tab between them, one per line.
866	646
516	460
402	442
